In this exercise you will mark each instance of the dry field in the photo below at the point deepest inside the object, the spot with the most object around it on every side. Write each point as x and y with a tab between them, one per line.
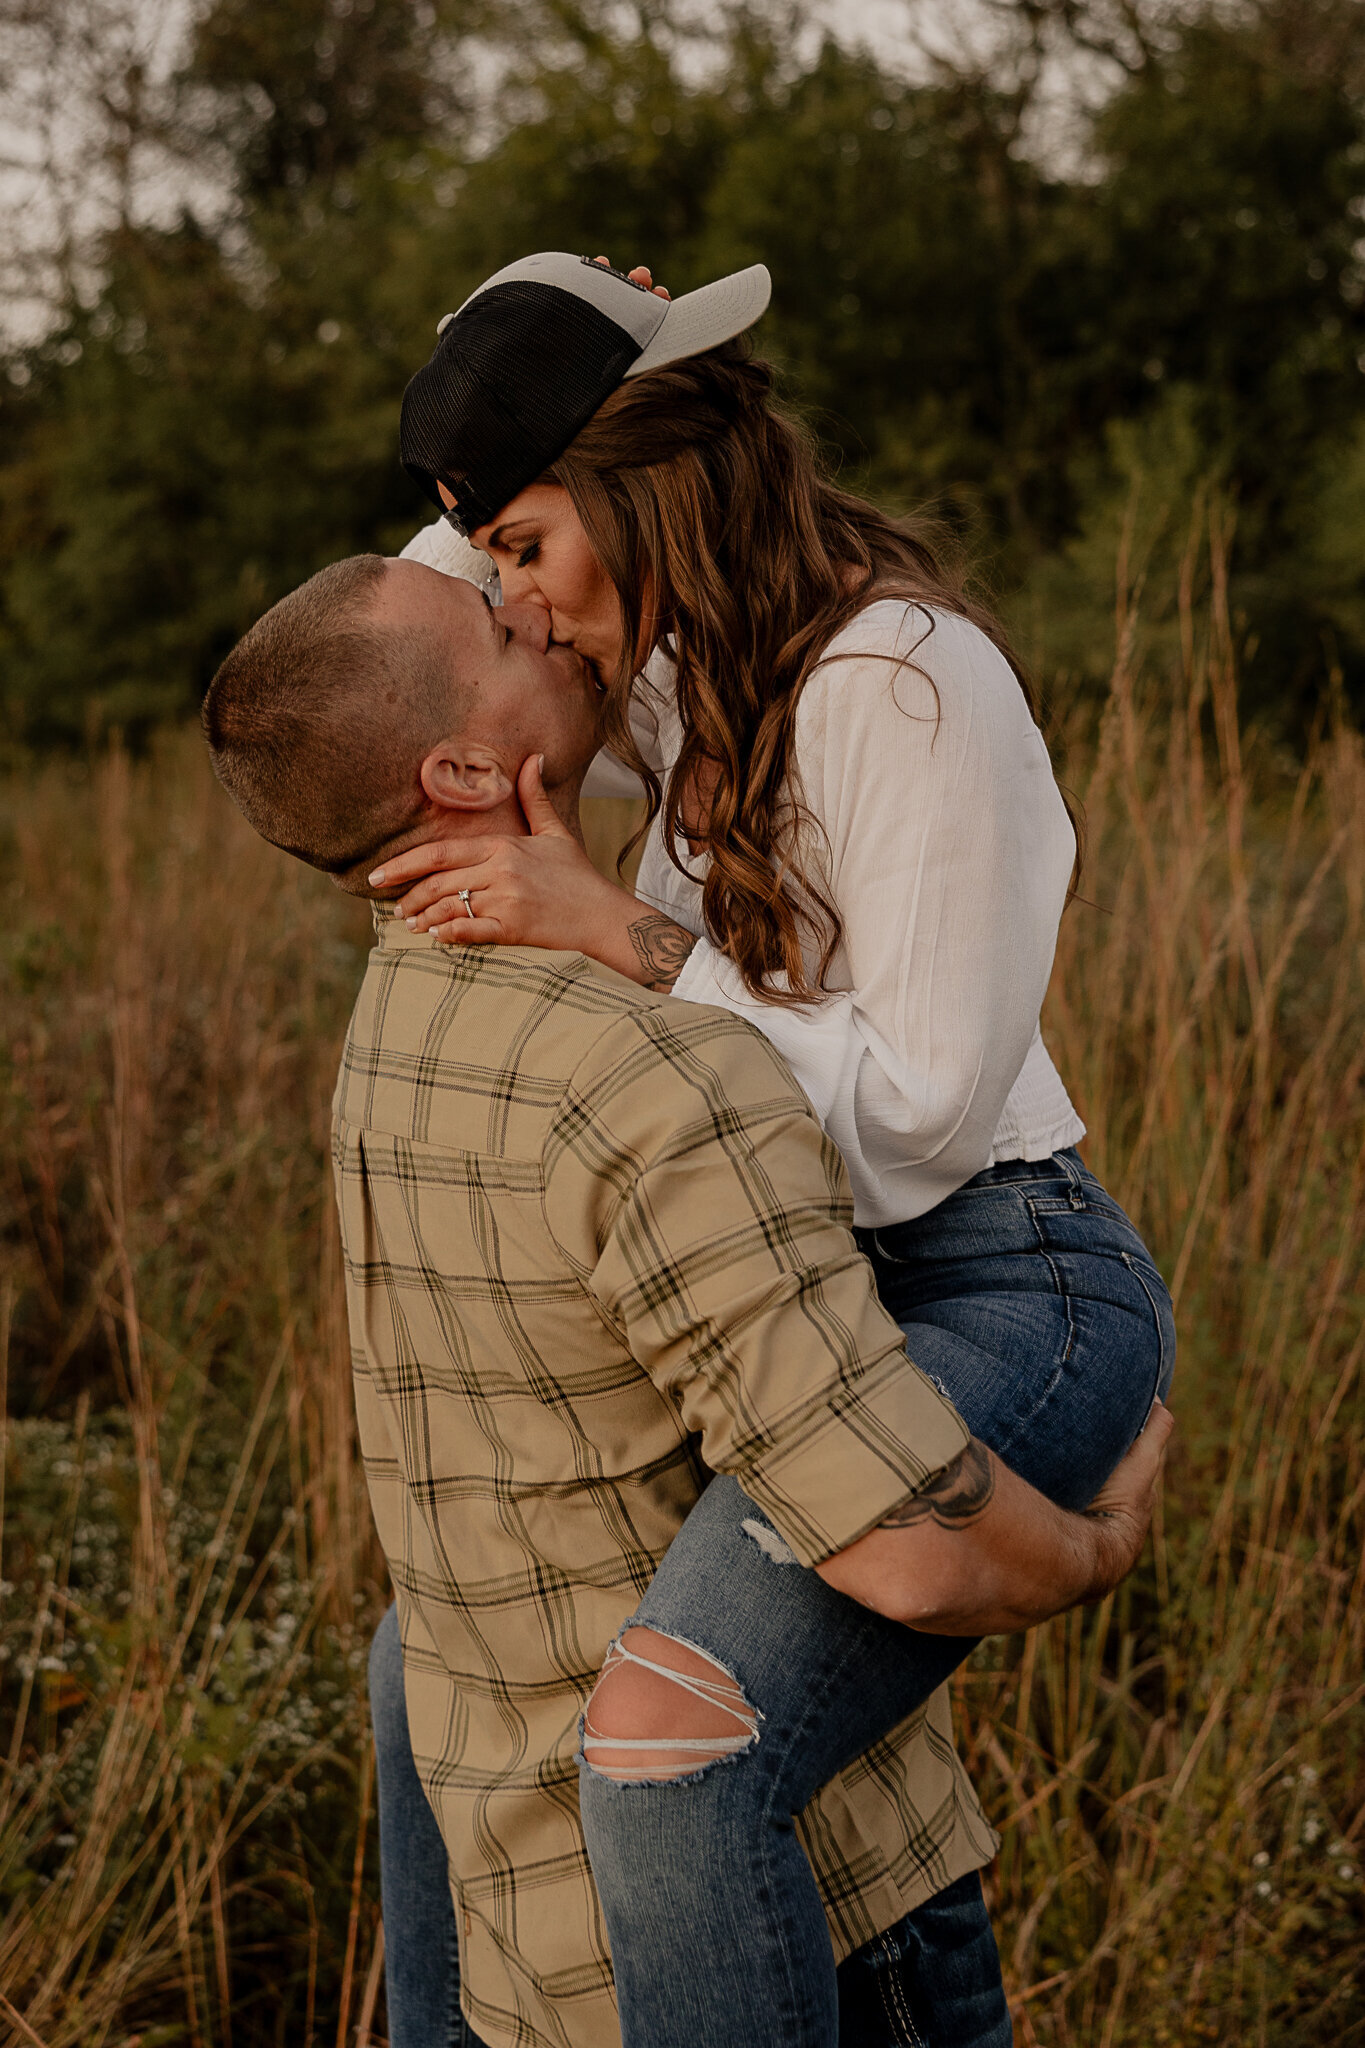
188	1573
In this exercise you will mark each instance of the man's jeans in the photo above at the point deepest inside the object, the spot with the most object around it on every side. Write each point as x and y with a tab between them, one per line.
934	1978
1029	1297
421	1951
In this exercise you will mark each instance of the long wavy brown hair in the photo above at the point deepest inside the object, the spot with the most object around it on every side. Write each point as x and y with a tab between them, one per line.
707	505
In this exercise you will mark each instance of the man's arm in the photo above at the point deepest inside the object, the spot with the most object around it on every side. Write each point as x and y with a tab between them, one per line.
693	1190
977	1551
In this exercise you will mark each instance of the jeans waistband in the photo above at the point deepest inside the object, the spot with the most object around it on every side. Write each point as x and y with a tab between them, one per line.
1060	1182
1065	1165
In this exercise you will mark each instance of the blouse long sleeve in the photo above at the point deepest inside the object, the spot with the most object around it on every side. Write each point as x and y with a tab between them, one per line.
438	546
948	851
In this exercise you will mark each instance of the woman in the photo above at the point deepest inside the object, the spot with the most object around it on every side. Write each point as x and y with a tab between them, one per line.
856	841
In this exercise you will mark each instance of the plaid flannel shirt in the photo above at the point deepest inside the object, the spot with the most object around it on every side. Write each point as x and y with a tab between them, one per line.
597	1247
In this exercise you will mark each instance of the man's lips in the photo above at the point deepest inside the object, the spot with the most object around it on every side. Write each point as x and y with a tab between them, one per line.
586	668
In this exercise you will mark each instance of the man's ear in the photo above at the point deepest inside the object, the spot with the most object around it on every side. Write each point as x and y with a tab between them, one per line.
465	778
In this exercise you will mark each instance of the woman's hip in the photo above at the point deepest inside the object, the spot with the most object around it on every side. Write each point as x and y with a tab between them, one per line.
1030	1298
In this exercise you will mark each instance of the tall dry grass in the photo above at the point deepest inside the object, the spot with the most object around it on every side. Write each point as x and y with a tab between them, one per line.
1180	1776
186	1828
191	1575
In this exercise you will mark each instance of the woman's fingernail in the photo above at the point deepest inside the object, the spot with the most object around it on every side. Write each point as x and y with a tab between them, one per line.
412	924
540	764
376	878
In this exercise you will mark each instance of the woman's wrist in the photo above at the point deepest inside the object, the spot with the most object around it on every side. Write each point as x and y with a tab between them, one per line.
642	943
661	948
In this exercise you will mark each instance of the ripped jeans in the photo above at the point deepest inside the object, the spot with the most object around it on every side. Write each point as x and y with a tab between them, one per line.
1029	1297
940	1959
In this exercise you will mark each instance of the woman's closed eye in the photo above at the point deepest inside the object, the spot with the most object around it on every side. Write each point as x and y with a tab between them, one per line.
528	554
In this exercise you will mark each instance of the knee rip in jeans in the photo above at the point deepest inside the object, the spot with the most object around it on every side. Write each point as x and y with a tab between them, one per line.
664	1711
769	1542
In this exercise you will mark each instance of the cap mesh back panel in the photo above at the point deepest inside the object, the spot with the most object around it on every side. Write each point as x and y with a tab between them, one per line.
508	385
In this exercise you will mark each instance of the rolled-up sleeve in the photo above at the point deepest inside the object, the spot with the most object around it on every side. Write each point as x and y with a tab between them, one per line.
701	1204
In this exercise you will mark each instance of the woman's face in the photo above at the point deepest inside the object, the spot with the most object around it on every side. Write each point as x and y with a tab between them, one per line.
542	556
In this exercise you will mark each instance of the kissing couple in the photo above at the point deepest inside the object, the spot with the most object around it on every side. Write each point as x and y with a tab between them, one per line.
738	1335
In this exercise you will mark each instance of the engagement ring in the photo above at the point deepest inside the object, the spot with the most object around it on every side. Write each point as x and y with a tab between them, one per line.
468	906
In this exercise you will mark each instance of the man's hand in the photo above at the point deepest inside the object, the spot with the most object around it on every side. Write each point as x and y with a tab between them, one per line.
978	1552
1122	1509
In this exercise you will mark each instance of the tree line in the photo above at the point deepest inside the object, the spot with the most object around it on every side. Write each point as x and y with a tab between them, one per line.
1060	343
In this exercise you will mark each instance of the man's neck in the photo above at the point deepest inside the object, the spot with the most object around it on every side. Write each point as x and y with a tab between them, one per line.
506	822
509	820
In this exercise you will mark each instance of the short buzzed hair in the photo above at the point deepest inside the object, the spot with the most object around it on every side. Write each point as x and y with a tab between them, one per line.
318	722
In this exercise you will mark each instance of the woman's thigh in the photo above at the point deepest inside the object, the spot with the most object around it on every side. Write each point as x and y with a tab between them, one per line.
826	1676
1040	1314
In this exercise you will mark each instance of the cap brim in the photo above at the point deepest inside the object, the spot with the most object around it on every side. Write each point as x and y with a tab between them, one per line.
702	319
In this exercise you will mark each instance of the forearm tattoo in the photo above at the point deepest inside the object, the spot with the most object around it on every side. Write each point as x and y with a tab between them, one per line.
959	1493
662	948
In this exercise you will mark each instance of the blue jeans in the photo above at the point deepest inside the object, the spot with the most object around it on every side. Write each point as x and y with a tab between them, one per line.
940	1960
421	1947
1029	1297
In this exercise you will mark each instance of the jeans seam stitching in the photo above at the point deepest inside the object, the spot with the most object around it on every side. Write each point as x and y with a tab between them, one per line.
456	2034
1136	1272
812	1712
894	2003
1065	1300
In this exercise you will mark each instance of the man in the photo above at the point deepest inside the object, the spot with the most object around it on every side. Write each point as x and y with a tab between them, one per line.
597	1249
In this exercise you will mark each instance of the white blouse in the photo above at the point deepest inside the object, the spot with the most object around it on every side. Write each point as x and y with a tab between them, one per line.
947	849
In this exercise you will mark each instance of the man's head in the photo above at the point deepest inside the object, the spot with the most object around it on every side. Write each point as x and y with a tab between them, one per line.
381	700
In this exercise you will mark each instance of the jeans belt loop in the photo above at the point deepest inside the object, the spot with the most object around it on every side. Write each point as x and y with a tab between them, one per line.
1073	1182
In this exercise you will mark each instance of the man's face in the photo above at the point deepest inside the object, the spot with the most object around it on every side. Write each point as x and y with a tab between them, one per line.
530	696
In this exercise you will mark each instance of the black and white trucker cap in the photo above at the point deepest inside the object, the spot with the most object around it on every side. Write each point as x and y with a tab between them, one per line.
529	358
